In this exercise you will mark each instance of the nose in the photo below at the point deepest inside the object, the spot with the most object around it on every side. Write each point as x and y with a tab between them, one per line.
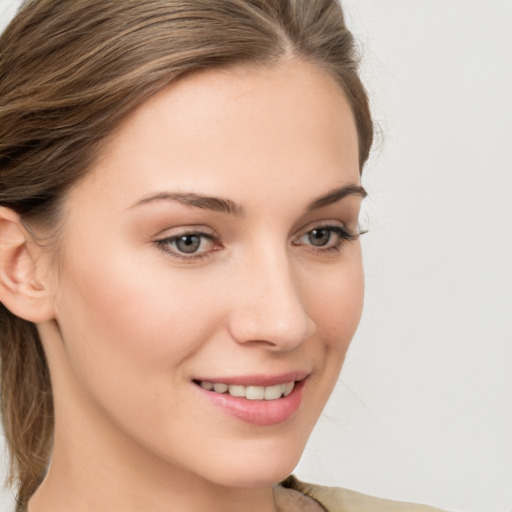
268	309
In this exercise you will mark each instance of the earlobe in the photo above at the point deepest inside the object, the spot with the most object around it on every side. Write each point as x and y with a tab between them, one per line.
20	290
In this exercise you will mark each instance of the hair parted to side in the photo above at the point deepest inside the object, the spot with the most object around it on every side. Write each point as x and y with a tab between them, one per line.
70	73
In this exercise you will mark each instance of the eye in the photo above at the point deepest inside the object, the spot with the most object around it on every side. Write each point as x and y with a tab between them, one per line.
319	237
326	238
189	245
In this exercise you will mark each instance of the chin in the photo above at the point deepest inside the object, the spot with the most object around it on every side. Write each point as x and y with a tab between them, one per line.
250	478
263	467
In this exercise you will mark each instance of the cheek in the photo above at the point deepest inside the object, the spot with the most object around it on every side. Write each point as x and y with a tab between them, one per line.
129	320
335	301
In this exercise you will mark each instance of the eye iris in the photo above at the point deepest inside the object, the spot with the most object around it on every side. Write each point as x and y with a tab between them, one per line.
319	237
188	243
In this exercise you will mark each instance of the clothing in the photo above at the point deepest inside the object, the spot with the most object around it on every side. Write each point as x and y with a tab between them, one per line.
334	499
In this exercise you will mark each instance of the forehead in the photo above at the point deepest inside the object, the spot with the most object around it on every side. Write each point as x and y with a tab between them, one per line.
283	125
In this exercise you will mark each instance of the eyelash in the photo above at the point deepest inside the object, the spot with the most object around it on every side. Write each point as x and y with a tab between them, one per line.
343	234
165	243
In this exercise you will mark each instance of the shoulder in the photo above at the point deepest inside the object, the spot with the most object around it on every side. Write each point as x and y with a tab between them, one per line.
334	499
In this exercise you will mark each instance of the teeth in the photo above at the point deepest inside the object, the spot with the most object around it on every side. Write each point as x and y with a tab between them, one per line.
250	392
255	392
220	388
289	388
273	392
236	390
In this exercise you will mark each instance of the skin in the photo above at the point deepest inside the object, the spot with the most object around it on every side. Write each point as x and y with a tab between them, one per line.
129	323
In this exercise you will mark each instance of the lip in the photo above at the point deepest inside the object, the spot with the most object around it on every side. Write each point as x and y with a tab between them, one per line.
257	380
258	412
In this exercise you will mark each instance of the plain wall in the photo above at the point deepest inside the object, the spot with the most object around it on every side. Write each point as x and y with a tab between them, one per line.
423	410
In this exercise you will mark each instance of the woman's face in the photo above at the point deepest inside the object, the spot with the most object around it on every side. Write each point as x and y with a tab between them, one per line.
212	244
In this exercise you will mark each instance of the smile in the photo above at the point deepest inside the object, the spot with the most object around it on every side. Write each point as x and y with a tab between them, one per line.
259	400
250	392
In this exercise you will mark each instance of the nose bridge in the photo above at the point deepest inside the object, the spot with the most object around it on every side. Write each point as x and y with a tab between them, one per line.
269	308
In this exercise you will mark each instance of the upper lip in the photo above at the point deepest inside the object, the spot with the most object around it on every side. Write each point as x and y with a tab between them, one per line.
257	380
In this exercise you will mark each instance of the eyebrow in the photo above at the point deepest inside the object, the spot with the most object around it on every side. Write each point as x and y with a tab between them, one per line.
222	205
216	204
335	195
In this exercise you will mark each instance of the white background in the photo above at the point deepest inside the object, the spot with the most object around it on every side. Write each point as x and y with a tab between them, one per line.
423	411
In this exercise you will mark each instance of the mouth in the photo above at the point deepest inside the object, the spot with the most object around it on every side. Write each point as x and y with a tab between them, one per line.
262	401
251	392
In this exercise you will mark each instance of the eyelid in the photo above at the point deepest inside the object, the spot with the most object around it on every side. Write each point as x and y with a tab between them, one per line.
327	224
336	228
182	230
163	242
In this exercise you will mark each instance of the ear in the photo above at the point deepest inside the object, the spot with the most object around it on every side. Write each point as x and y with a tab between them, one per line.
21	291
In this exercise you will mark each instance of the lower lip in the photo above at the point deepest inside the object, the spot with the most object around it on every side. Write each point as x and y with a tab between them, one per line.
258	412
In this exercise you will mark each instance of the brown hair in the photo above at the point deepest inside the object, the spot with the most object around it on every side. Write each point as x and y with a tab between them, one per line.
70	73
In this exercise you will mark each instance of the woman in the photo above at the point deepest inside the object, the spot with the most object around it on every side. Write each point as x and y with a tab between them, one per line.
180	270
